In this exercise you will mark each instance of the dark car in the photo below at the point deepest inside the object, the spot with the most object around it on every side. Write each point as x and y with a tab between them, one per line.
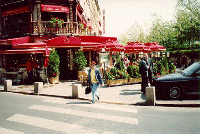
175	86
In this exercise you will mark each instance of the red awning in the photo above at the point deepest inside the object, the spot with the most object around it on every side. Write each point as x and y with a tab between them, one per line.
154	46
81	18
54	8
21	40
99	39
31	45
24	51
64	41
15	11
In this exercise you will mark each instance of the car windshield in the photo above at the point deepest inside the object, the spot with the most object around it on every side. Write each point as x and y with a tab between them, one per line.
191	69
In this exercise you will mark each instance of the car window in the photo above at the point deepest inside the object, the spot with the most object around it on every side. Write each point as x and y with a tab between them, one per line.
192	69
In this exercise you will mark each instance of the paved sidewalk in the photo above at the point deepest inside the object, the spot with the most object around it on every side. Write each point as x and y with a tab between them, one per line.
125	94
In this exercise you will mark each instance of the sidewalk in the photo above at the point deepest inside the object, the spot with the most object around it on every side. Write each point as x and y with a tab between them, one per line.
124	95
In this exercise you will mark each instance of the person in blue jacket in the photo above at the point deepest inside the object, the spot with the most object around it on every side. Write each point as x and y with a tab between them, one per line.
94	80
143	70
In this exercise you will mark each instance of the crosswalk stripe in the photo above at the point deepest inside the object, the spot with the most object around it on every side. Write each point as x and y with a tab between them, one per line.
101	106
52	125
9	131
86	114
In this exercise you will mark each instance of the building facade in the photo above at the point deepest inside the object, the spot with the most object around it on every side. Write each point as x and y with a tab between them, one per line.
34	17
28	27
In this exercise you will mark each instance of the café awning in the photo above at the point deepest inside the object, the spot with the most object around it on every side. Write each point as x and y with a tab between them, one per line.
63	41
25	51
31	45
54	8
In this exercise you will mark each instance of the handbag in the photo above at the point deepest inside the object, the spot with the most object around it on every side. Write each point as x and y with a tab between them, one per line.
87	90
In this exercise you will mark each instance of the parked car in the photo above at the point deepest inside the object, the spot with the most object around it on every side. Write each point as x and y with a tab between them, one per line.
175	86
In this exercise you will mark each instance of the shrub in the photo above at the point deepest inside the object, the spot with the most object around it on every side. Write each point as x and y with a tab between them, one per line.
119	65
53	65
133	71
80	61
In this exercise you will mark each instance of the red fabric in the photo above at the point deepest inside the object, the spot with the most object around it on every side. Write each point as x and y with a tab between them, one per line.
99	39
154	46
29	65
15	11
20	40
46	61
64	41
54	8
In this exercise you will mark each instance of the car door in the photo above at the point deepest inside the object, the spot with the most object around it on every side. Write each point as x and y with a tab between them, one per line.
195	83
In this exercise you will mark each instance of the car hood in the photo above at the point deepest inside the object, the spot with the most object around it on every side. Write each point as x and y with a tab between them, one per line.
172	77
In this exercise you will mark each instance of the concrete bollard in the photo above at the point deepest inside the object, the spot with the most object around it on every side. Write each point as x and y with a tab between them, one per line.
38	86
150	96
7	85
77	90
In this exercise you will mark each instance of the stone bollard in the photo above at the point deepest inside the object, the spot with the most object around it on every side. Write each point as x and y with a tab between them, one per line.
77	90
7	85
150	96
38	86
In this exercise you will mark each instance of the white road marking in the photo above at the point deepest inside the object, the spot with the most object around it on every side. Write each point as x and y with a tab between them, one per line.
86	114
52	125
9	131
100	106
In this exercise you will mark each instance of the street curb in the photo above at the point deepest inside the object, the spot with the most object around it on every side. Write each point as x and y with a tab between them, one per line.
177	104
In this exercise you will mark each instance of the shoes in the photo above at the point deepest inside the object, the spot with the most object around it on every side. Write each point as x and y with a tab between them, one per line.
93	102
98	98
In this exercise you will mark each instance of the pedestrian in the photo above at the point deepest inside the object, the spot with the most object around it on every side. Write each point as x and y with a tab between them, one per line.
94	80
150	67
29	69
143	70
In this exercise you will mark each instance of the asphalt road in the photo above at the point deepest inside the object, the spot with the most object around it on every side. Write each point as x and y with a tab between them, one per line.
39	114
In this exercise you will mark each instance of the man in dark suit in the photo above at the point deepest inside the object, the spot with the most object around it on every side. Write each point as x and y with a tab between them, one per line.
143	70
150	69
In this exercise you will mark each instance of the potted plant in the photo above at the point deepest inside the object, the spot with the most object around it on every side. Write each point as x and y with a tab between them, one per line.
80	62
53	67
56	22
135	76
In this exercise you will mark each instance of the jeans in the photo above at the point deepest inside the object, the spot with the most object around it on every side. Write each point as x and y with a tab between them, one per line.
94	91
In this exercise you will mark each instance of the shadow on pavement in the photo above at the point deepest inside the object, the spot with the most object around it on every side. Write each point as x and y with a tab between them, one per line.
78	103
130	92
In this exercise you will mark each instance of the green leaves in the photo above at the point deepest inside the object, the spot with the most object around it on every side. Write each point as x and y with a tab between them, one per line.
79	61
53	65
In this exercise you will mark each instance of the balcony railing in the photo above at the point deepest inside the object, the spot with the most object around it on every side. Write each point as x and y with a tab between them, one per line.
47	29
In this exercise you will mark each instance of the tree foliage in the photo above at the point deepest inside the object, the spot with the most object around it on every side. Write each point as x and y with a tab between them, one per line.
178	34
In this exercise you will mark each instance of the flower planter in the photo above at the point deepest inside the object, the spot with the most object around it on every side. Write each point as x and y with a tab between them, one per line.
54	80
134	80
116	82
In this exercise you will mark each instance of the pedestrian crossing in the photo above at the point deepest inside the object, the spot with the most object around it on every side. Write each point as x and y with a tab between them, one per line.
69	127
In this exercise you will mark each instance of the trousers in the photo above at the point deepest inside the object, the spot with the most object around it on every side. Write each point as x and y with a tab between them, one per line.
94	91
144	84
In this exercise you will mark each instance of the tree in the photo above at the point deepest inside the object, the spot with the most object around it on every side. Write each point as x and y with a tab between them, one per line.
134	33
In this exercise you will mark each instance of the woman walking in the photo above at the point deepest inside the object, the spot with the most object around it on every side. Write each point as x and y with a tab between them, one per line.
94	80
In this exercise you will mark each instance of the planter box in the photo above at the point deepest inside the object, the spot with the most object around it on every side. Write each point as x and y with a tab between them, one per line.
54	80
116	82
134	80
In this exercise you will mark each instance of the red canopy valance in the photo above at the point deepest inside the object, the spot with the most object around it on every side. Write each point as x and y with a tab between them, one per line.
64	41
99	39
54	8
16	11
25	51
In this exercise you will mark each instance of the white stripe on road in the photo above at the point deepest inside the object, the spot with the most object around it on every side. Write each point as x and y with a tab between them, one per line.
52	125
86	114
100	106
8	131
